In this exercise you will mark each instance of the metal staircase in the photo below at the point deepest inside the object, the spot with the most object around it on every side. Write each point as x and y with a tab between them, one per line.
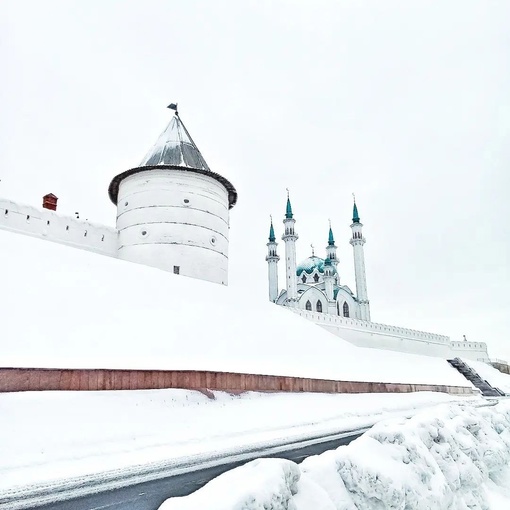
486	389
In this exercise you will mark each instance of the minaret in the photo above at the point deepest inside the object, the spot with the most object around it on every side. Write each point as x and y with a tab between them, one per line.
329	282
173	210
272	264
331	249
357	242
290	238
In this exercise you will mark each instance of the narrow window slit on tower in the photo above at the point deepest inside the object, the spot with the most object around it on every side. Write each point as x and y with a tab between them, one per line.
177	269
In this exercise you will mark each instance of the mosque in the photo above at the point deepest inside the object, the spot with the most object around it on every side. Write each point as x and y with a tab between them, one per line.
314	284
173	214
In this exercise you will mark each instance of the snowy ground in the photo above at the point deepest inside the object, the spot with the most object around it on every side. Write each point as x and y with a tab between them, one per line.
51	436
68	308
448	458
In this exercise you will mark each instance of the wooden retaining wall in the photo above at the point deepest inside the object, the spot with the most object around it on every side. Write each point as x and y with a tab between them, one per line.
37	379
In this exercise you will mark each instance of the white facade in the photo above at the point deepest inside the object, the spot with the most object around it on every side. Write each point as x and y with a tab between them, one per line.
272	259
476	351
174	220
50	225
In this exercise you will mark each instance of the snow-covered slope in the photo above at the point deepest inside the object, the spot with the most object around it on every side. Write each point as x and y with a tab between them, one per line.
66	308
448	458
493	376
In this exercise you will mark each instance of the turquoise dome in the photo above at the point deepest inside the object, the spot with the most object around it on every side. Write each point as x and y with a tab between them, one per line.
310	264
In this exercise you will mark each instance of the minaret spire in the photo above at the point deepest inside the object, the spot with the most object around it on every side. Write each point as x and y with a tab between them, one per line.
331	250
288	212
272	259
357	242
290	237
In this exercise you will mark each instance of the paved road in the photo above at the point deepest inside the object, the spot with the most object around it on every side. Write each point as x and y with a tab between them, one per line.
150	495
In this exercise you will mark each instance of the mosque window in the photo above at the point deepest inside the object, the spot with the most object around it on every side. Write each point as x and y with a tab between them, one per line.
316	277
177	269
338	307
319	306
303	278
308	306
346	309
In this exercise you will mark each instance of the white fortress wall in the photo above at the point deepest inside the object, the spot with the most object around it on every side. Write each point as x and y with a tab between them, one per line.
381	336
49	225
476	351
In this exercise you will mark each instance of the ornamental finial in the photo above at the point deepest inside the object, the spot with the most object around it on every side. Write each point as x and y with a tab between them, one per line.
313	250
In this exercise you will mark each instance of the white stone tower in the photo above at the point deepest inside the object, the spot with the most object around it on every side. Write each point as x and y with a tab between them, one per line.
272	264
357	242
331	249
290	237
173	211
329	284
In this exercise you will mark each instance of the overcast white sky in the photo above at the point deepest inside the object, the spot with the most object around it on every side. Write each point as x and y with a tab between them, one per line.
405	103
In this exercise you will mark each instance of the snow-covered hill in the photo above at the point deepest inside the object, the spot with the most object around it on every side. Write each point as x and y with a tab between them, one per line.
66	308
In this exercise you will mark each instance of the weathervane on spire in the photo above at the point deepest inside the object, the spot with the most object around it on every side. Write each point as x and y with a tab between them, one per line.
173	106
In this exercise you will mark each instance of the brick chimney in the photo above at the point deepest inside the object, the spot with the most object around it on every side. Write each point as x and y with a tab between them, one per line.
50	202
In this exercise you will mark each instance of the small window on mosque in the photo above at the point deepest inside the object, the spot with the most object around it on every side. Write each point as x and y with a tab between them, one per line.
346	310
177	269
338	307
308	306
303	278
316	277
319	306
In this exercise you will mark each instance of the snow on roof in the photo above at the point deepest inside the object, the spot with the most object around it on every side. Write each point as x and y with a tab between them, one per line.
175	147
67	308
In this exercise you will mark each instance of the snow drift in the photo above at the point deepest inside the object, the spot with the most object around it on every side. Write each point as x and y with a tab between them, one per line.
450	458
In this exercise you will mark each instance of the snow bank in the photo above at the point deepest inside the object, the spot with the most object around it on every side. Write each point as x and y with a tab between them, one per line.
140	428
493	376
67	308
452	458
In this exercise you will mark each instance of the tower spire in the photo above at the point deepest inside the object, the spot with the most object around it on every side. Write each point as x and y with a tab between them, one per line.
331	250
355	215
357	241
272	259
331	239
272	237
288	212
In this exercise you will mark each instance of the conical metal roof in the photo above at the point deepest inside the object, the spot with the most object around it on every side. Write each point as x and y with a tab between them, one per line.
174	150
175	147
